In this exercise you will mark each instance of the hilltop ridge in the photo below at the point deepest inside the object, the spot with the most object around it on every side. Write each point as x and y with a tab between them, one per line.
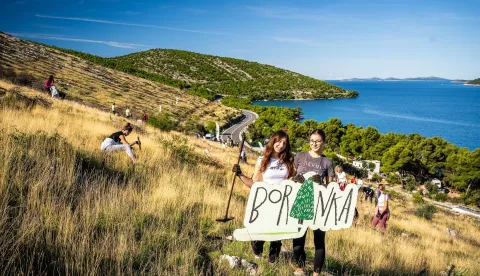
208	75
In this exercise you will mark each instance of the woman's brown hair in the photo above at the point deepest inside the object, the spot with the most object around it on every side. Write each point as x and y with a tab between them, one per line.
286	156
128	127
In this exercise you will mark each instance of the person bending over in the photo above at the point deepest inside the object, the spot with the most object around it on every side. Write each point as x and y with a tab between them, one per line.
117	142
273	167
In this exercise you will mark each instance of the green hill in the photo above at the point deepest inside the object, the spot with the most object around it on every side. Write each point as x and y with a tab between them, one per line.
475	81
207	75
85	80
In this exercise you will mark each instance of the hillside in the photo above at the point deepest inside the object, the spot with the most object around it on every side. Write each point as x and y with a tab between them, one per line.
98	86
474	82
67	208
208	75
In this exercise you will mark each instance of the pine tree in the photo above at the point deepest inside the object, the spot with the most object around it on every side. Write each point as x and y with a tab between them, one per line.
303	207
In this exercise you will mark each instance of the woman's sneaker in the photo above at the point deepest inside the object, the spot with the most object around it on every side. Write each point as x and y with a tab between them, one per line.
258	256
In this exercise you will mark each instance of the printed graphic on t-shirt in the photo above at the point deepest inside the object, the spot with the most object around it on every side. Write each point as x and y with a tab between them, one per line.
277	166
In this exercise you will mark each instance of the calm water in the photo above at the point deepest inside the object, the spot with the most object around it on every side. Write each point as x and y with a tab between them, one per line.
430	108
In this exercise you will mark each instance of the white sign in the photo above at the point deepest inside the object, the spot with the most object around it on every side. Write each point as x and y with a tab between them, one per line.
286	210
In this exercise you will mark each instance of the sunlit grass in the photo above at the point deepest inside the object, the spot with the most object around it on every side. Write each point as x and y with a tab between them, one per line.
68	208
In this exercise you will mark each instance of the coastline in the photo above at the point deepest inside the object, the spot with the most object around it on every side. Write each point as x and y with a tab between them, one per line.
391	110
315	99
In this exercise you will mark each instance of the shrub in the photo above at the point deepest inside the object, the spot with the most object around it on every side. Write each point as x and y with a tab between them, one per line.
162	121
394	195
394	178
210	126
191	127
7	73
432	188
473	198
425	211
418	198
440	197
376	177
24	79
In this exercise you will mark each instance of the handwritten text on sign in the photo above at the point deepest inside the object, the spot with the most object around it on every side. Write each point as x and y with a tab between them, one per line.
269	212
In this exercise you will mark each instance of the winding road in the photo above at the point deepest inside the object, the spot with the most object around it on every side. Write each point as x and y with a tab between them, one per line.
236	130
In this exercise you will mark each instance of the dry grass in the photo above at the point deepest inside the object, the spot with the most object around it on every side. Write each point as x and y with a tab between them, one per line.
98	86
68	208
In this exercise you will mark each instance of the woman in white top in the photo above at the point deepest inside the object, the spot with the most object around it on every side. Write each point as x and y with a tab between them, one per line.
381	212
273	167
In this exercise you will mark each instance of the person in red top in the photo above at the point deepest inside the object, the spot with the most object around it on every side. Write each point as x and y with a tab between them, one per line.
353	180
49	83
145	117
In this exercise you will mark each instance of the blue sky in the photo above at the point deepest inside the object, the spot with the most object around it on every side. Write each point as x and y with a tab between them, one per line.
322	39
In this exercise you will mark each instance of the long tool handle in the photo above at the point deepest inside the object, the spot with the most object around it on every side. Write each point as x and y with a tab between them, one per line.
234	175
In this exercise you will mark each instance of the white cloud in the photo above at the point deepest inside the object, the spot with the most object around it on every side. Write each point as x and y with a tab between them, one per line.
54	37
127	24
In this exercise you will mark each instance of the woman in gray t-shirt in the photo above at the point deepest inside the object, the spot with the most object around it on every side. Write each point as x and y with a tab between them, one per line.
304	162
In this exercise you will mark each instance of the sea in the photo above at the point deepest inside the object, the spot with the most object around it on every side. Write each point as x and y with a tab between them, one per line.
447	109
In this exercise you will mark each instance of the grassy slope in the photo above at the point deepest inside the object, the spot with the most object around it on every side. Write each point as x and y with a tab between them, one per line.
99	86
65	204
231	76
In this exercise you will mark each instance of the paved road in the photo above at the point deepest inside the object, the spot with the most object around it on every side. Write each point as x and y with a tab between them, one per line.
449	206
235	131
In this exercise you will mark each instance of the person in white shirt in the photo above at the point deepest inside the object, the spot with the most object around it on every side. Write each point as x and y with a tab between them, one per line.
341	177
381	212
273	167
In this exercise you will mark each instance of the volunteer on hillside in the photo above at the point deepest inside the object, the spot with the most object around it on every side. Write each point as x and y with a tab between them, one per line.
381	211
304	162
117	142
273	167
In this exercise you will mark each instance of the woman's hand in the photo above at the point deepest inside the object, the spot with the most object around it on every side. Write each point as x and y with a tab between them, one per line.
236	169
298	178
317	179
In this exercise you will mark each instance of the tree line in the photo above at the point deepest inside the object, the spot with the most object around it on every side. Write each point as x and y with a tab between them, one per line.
416	158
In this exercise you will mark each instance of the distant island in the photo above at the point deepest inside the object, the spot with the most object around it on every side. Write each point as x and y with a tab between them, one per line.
474	82
398	79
